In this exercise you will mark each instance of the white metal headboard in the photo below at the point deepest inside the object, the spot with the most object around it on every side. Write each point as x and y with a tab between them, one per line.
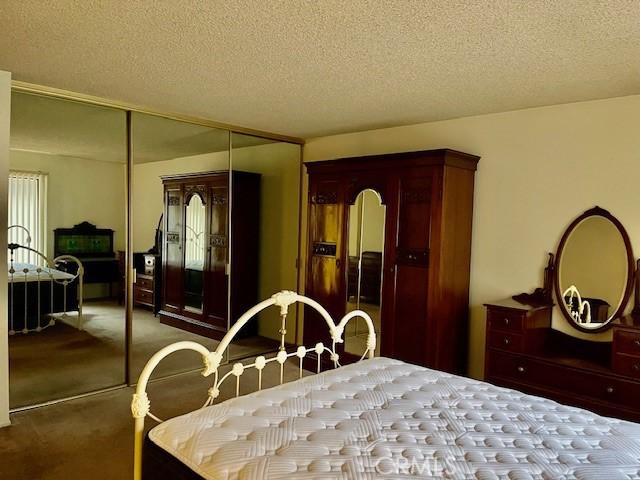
140	405
42	275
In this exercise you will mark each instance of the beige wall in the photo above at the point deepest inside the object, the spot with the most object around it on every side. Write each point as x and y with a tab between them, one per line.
5	111
279	167
539	169
79	190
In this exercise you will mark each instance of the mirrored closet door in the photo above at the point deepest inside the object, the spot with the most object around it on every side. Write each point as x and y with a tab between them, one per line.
180	173
130	231
67	231
274	170
215	231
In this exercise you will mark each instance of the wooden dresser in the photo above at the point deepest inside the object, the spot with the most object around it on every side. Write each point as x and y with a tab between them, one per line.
523	352
625	358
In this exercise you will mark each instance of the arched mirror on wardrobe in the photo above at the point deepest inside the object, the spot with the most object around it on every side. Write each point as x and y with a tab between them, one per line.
195	248
364	267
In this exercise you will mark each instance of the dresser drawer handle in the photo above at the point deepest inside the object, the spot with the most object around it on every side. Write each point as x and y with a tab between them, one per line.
636	367
506	341
636	342
609	389
521	369
506	321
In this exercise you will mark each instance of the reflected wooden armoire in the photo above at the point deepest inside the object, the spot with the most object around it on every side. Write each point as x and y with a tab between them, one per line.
427	247
198	257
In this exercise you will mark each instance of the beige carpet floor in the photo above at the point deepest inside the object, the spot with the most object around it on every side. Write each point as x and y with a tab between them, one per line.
92	437
62	361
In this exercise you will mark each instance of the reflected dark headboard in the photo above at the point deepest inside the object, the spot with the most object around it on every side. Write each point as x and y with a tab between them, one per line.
84	240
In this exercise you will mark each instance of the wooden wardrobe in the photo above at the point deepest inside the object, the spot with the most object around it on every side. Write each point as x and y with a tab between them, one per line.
427	247
198	259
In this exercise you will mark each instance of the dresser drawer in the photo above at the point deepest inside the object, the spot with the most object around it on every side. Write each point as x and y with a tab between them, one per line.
513	367
143	296
626	342
571	384
628	365
505	320
511	342
144	283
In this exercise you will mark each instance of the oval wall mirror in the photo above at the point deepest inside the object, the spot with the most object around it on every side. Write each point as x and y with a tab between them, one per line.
594	271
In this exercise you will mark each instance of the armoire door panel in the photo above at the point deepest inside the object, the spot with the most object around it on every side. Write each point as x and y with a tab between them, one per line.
217	297
326	229
411	267
414	223
324	272
411	283
324	276
325	237
174	253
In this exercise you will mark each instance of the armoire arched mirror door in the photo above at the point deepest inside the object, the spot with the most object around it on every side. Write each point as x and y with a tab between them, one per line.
365	254
194	251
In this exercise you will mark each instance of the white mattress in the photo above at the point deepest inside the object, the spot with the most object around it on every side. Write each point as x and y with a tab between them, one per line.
46	273
370	419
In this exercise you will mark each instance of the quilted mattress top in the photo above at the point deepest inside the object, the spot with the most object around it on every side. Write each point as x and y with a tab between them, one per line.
382	418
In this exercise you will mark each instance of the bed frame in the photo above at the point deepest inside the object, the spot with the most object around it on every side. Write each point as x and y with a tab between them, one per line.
140	405
42	275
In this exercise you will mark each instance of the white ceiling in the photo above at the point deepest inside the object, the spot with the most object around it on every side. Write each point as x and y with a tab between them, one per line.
310	68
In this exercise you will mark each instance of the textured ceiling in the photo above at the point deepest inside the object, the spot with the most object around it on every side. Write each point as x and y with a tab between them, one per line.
309	68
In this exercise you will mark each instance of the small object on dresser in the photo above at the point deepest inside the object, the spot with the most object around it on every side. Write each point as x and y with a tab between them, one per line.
146	291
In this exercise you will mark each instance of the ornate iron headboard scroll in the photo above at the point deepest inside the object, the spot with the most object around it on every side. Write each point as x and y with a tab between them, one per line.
141	407
43	272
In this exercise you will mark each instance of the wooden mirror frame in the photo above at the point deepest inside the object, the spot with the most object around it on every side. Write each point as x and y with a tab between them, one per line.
631	272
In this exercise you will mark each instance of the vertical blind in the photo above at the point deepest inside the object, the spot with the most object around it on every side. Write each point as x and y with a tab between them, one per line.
28	209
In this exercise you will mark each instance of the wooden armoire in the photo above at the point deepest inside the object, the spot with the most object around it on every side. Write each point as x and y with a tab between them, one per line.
427	248
198	258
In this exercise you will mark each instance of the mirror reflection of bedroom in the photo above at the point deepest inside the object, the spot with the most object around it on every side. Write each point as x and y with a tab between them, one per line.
212	218
213	230
66	228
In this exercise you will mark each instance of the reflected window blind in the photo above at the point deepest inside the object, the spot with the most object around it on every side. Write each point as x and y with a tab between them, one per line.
195	218
28	209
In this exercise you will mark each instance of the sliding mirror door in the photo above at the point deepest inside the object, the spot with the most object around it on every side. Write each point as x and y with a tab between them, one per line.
178	169
266	201
67	204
